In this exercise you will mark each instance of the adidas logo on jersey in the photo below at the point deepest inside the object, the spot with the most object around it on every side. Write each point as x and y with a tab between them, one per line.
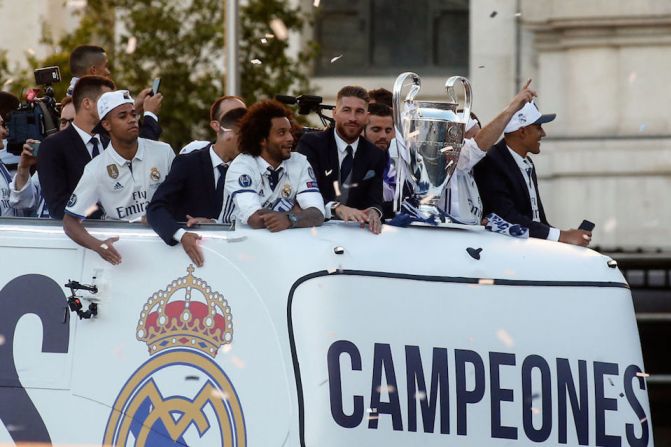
118	186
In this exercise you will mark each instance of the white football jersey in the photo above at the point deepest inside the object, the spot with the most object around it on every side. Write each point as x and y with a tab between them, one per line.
123	187
248	187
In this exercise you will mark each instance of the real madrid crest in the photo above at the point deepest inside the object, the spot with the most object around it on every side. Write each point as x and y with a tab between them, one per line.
113	171
183	326
286	191
155	174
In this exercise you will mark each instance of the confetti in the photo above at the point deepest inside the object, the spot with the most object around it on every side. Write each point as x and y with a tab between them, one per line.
279	28
421	395
237	361
2	340
30	51
131	46
256	62
331	271
505	338
336	187
386	389
446	148
264	40
333	59
486	282
15	427
92	209
371	410
642	374
413	134
644	419
313	231
8	81
270	36
493	14
315	3
77	4
219	394
227	348
535	410
518	14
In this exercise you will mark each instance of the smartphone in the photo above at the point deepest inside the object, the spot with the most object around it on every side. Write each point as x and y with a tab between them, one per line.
35	147
47	75
155	85
586	225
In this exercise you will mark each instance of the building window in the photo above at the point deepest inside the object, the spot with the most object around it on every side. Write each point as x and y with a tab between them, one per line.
379	37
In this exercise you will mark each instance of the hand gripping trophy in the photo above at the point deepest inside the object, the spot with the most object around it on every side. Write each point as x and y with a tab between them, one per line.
432	134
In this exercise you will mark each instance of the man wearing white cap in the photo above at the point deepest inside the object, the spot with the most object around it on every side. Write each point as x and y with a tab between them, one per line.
507	180
461	199
122	179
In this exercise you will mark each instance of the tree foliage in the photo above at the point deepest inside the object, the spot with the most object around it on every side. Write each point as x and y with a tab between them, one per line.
182	42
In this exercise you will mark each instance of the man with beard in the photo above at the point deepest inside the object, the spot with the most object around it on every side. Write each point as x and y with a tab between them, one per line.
268	186
349	169
122	179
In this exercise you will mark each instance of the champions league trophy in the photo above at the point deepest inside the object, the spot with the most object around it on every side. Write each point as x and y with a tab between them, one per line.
433	134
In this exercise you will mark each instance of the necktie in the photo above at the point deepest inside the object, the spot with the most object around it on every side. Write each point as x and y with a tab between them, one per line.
529	169
273	177
346	166
95	152
219	195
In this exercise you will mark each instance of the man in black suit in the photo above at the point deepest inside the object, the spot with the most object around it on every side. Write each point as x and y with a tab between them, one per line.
507	181
195	187
91	60
63	155
349	169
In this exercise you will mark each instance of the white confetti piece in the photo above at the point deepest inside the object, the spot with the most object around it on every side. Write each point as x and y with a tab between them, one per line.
270	36
371	410
219	394
486	282
518	14
386	389
227	348
2	340
535	410
333	59
336	187
331	271
413	134
421	395
446	148
77	4
315	3
505	338
30	51
8	81
279	28
256	61
642	374
238	362
131	46
264	40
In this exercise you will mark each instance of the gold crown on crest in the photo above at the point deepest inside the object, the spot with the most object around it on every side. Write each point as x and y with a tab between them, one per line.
187	314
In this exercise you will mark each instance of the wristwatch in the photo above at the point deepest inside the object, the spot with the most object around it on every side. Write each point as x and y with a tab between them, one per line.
333	209
293	219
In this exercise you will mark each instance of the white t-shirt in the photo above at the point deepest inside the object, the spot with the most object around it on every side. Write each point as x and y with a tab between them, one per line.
124	188
248	189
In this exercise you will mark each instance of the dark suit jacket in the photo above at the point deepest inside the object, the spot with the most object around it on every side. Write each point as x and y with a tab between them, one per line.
504	191
61	162
188	189
367	169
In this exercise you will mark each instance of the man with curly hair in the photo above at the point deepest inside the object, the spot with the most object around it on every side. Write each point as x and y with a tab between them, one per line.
267	185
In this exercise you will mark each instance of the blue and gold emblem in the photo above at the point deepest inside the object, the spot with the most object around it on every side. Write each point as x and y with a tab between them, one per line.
180	396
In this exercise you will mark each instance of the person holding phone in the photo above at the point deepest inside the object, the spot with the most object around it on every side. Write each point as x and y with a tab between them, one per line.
25	193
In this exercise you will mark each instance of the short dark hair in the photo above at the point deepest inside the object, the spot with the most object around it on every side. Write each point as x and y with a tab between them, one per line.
89	87
353	90
214	109
232	117
83	57
256	124
381	96
379	109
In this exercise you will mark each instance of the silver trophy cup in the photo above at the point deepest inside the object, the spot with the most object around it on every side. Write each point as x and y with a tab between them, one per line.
433	134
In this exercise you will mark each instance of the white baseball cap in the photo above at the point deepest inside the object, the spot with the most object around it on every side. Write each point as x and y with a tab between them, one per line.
526	116
111	100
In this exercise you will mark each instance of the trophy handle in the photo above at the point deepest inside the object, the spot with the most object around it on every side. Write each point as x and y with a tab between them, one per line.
468	94
398	86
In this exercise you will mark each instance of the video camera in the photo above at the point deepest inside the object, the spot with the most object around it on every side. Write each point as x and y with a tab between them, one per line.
38	117
309	104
